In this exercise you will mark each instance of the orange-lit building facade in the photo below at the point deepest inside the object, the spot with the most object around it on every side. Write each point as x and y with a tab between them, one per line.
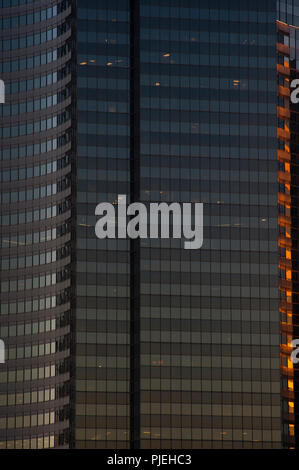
288	157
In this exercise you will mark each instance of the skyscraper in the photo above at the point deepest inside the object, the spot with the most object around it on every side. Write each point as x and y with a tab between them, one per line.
123	343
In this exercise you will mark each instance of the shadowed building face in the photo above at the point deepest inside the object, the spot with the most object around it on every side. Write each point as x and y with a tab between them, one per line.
192	120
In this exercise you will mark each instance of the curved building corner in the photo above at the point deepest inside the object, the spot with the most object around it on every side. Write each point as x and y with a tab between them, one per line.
36	155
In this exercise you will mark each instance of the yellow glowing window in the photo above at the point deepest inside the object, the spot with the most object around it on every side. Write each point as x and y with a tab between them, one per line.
290	384
291	429
289	340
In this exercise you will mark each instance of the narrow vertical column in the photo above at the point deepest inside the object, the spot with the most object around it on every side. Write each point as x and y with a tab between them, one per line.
134	244
74	66
287	239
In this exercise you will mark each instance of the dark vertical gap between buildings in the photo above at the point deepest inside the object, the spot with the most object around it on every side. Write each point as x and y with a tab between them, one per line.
134	244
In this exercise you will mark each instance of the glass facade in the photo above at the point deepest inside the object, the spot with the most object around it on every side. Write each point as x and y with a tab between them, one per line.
122	343
193	119
209	373
36	154
102	399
